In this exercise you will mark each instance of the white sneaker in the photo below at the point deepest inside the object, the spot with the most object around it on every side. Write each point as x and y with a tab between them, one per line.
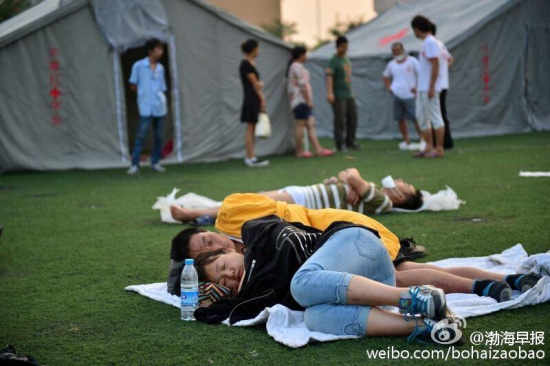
255	163
403	145
158	168
422	145
133	170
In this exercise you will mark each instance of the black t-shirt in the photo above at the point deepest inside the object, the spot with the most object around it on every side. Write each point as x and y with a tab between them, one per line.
245	69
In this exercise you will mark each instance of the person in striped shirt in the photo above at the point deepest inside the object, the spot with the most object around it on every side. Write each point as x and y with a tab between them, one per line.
349	191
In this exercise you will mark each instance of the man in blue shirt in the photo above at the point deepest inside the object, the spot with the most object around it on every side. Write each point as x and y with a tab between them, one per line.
148	80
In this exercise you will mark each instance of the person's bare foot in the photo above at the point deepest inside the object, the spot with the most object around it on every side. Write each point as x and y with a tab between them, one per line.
181	213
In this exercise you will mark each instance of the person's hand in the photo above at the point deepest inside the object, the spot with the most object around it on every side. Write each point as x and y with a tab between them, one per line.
413	90
310	104
331	180
353	197
263	105
431	92
330	98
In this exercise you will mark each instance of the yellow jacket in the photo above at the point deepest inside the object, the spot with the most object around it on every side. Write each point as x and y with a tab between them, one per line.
238	208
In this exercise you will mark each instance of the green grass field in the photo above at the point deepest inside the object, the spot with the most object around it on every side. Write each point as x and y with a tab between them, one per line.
73	240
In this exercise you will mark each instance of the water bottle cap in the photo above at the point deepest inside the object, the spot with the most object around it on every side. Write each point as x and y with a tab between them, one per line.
189	262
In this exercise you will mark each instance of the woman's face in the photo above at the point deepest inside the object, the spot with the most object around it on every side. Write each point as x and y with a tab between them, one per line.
226	270
302	58
255	52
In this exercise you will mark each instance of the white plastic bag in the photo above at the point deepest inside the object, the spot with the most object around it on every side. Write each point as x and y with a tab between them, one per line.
263	127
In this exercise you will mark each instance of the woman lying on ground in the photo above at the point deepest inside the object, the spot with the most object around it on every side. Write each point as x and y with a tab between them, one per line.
347	192
339	276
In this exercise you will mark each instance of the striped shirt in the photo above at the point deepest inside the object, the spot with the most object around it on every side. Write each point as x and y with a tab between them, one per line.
319	196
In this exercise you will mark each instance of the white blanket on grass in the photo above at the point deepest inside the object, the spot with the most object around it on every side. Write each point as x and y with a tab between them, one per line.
287	326
444	200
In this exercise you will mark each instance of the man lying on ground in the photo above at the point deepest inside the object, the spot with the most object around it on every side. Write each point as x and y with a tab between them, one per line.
240	208
347	192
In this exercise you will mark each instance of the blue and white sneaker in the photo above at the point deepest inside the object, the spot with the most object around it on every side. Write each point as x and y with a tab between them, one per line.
428	301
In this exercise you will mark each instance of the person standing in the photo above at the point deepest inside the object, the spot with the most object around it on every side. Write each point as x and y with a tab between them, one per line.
428	88
148	79
300	97
254	100
340	96
400	78
445	61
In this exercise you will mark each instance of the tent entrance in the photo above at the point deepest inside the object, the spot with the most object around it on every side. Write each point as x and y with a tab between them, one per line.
128	59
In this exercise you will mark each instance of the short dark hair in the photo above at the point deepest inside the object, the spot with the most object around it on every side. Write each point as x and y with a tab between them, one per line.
412	202
341	40
180	243
153	43
249	45
204	259
433	28
421	23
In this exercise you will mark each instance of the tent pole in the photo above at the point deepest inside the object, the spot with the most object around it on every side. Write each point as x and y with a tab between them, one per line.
118	97
176	97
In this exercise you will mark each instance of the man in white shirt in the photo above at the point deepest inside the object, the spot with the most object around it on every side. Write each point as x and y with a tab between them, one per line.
400	78
445	61
429	87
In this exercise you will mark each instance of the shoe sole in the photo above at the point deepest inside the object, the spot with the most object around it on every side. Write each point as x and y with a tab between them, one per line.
505	295
439	304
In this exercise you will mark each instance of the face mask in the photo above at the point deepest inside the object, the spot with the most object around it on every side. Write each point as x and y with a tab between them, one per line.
400	57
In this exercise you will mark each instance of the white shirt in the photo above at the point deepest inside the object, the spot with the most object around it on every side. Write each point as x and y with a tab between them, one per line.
404	76
298	78
444	65
429	49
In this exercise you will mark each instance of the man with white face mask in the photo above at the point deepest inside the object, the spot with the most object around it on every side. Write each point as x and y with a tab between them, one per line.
400	77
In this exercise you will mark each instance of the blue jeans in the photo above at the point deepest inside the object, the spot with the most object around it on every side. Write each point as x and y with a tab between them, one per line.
144	123
321	284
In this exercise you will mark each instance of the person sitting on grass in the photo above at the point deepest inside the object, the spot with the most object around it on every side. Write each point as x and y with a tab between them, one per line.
240	208
347	192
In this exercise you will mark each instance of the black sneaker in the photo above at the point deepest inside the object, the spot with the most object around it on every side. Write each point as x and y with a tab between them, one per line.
523	283
409	248
355	147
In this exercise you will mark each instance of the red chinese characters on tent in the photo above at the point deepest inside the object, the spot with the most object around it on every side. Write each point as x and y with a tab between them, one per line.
54	91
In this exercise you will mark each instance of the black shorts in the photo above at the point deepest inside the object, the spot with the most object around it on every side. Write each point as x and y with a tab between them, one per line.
302	111
401	258
250	110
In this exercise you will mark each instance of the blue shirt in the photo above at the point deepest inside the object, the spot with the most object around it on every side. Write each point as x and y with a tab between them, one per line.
151	86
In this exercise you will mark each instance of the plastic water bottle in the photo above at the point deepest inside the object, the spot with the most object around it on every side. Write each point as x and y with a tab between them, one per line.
189	291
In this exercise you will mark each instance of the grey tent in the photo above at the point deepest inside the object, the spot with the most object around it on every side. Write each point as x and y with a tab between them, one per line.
499	83
64	92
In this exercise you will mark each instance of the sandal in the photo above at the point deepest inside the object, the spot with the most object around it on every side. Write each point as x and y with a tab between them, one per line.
204	220
420	154
325	152
432	155
304	155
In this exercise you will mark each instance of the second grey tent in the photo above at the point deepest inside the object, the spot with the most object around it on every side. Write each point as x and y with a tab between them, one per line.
498	84
65	64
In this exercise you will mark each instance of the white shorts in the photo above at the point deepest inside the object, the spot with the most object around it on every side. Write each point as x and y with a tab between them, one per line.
428	110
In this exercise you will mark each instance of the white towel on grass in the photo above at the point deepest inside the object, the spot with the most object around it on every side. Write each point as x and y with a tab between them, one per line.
287	326
189	200
534	174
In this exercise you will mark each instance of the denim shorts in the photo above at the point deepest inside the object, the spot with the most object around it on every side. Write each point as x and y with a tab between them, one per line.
404	109
321	284
302	111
